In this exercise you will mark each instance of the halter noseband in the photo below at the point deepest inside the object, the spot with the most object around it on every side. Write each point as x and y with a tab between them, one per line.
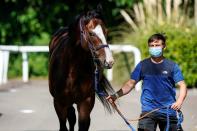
97	47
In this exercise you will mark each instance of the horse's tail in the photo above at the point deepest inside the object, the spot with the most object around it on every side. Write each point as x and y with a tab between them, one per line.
106	87
56	37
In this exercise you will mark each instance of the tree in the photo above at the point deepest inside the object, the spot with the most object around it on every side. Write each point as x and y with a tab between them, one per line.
25	21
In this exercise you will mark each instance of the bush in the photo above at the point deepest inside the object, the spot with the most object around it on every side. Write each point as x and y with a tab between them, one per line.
38	64
15	65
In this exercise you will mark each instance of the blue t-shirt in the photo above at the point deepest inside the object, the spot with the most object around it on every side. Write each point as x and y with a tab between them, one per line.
158	87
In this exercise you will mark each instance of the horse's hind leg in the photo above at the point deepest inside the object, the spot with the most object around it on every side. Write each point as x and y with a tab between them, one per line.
71	118
84	110
62	115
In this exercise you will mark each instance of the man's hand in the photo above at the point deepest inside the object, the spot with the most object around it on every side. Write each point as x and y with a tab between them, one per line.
176	106
112	98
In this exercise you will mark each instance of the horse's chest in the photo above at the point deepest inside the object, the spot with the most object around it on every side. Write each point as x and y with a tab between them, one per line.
78	85
71	78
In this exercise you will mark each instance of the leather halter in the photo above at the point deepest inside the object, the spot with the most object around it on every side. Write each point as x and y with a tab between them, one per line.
84	36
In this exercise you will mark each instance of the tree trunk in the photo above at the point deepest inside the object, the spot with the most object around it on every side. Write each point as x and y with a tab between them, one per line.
168	9
160	15
176	8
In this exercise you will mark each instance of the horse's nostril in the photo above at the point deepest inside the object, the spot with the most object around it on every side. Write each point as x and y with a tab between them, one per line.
111	63
108	64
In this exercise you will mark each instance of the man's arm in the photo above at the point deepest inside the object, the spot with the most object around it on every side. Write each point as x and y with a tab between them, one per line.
126	88
181	97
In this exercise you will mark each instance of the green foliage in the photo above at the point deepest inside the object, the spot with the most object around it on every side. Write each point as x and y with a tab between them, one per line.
124	3
182	48
21	21
38	64
15	71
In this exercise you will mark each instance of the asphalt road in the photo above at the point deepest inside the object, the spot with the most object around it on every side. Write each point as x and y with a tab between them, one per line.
29	107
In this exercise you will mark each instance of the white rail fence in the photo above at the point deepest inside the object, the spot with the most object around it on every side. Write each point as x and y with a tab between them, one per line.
5	53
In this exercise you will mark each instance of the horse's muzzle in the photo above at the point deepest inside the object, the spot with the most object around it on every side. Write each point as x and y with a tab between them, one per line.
108	65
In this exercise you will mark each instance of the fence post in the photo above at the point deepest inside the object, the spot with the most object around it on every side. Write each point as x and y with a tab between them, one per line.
4	60
6	55
25	67
1	67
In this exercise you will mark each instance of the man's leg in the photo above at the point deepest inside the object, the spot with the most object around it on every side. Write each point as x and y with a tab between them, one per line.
172	126
147	124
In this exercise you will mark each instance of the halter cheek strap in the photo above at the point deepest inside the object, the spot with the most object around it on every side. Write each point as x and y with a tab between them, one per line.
82	36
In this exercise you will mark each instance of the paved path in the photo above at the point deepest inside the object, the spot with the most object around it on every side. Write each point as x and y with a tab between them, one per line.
29	107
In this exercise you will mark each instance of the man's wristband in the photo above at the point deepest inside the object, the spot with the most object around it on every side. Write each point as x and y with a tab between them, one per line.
116	95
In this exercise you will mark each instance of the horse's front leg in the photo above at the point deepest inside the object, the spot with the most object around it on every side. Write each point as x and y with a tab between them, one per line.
84	109
61	111
71	118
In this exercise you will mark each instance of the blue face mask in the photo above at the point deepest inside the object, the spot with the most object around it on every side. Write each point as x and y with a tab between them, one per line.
155	51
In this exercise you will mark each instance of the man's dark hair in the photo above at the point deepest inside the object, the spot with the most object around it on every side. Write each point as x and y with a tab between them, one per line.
158	36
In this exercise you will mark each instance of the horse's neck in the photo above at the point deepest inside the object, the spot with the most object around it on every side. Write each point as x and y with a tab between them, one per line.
78	55
76	52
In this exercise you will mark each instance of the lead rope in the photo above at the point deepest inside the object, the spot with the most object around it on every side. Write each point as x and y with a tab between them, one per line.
122	116
102	93
168	119
180	120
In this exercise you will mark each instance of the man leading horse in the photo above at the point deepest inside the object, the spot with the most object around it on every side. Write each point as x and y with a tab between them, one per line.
159	76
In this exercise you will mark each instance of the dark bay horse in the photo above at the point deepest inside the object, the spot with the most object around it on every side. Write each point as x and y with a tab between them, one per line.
75	52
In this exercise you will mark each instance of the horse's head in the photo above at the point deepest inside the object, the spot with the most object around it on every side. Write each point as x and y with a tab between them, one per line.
93	38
